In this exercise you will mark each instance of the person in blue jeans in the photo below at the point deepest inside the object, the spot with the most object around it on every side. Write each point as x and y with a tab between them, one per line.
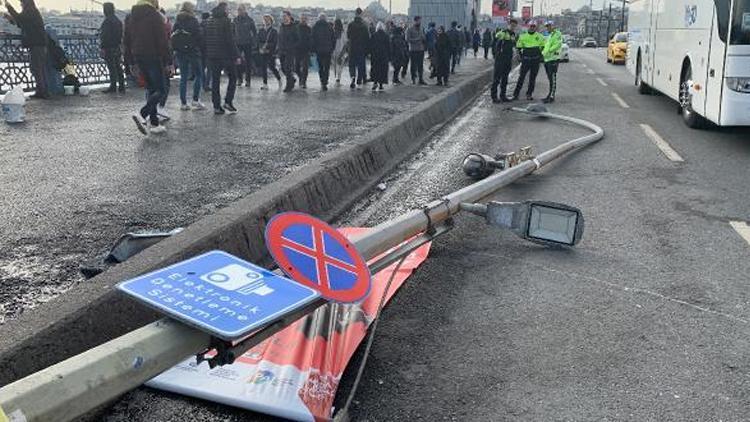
186	43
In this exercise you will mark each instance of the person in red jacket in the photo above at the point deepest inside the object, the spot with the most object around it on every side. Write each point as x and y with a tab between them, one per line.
146	43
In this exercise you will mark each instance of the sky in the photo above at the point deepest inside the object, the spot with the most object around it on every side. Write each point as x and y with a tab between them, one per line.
399	6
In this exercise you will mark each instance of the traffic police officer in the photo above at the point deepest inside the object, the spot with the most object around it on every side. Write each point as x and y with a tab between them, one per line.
530	44
551	54
505	41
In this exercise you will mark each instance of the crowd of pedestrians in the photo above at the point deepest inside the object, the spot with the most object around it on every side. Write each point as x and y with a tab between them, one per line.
217	46
148	47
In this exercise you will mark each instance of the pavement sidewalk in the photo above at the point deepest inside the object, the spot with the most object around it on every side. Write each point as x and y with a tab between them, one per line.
78	174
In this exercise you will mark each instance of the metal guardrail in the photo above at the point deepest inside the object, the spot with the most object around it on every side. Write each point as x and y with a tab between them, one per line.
83	50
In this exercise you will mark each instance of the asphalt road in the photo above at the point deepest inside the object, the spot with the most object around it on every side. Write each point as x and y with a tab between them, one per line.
78	175
646	320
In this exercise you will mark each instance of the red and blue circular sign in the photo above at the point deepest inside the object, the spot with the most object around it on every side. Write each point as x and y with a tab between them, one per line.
315	254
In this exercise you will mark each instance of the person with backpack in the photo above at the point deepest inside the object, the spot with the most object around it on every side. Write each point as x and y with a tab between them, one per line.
186	41
268	40
222	54
110	40
246	35
399	52
323	43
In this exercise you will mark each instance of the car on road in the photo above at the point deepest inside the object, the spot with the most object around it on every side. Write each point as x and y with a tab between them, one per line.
617	50
589	42
565	53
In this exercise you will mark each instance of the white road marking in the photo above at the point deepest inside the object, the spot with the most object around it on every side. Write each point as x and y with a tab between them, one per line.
661	143
742	229
601	82
619	100
590	71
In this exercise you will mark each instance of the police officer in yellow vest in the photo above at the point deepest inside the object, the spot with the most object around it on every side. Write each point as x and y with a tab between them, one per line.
530	45
505	42
551	54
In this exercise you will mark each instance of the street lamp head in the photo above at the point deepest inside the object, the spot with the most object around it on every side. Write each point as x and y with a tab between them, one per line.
546	223
480	166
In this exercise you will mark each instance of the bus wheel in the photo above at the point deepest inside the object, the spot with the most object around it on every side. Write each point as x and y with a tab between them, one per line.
643	89
689	116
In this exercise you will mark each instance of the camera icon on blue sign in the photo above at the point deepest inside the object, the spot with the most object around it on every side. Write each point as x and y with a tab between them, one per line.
237	278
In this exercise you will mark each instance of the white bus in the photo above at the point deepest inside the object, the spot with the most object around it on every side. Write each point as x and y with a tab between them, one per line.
698	53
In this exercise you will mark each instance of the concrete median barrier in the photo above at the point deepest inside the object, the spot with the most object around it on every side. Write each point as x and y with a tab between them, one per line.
93	312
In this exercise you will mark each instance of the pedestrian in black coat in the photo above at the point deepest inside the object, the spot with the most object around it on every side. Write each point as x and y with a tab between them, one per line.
222	54
287	48
399	53
456	39
380	53
323	44
304	47
246	36
445	50
110	42
359	40
486	41
33	37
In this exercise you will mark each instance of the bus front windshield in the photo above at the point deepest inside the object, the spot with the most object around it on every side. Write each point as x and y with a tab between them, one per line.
740	23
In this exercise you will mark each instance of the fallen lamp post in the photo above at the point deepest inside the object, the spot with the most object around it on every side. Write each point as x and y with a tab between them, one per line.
82	383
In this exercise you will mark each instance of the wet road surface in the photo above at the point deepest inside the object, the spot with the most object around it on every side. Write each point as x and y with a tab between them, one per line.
646	320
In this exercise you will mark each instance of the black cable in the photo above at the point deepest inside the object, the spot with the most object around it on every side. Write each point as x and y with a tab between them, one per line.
343	414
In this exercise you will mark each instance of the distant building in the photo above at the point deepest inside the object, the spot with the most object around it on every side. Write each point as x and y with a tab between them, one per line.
75	23
443	12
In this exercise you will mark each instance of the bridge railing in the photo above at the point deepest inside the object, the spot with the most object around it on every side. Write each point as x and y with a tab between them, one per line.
82	50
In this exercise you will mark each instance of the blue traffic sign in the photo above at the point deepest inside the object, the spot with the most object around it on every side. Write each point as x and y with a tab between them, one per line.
220	293
317	255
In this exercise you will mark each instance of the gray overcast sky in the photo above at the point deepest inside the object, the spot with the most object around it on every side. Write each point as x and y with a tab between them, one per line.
398	5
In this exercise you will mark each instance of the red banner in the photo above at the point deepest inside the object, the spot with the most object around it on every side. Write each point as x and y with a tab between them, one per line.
526	13
501	8
295	373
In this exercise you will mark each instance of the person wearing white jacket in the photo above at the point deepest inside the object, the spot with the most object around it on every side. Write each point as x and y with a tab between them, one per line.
340	50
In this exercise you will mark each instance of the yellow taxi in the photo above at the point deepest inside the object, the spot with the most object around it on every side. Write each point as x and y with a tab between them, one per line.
618	48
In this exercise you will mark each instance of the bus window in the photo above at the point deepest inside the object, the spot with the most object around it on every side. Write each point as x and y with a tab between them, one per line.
722	17
741	22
